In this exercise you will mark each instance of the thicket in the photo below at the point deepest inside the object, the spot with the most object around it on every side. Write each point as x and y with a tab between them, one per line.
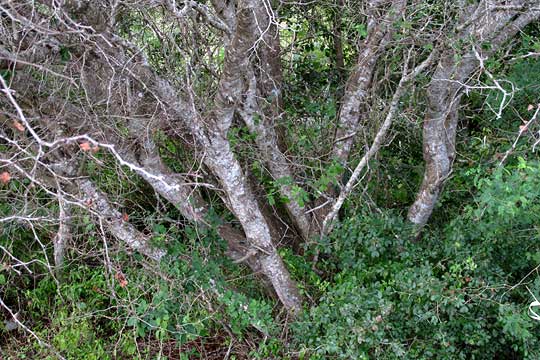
374	288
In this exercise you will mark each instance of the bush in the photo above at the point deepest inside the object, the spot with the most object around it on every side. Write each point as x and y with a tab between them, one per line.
445	298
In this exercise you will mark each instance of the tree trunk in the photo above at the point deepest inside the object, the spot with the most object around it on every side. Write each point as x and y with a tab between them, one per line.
379	33
484	24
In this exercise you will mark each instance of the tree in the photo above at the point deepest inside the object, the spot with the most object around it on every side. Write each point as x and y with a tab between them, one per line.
121	84
484	28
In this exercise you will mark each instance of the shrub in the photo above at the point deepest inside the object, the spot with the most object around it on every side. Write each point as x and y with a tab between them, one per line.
446	298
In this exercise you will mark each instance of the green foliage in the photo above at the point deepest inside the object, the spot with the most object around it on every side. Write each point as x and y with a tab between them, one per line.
6	74
446	299
59	315
244	313
97	314
523	78
461	291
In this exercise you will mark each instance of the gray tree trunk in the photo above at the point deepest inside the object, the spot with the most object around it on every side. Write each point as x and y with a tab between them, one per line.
485	23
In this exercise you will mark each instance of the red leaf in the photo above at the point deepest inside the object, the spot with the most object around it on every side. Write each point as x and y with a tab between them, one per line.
5	177
121	279
125	217
17	125
85	146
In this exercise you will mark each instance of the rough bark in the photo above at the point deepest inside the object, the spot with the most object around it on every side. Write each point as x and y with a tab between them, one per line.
263	127
376	144
262	113
97	202
244	206
223	163
211	134
63	234
380	30
483	24
189	202
171	186
225	10
82	192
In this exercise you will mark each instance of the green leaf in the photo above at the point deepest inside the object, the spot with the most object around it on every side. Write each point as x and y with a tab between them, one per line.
361	29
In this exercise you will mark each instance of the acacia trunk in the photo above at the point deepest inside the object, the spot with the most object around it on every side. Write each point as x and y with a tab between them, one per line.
211	133
380	28
63	235
483	24
263	111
